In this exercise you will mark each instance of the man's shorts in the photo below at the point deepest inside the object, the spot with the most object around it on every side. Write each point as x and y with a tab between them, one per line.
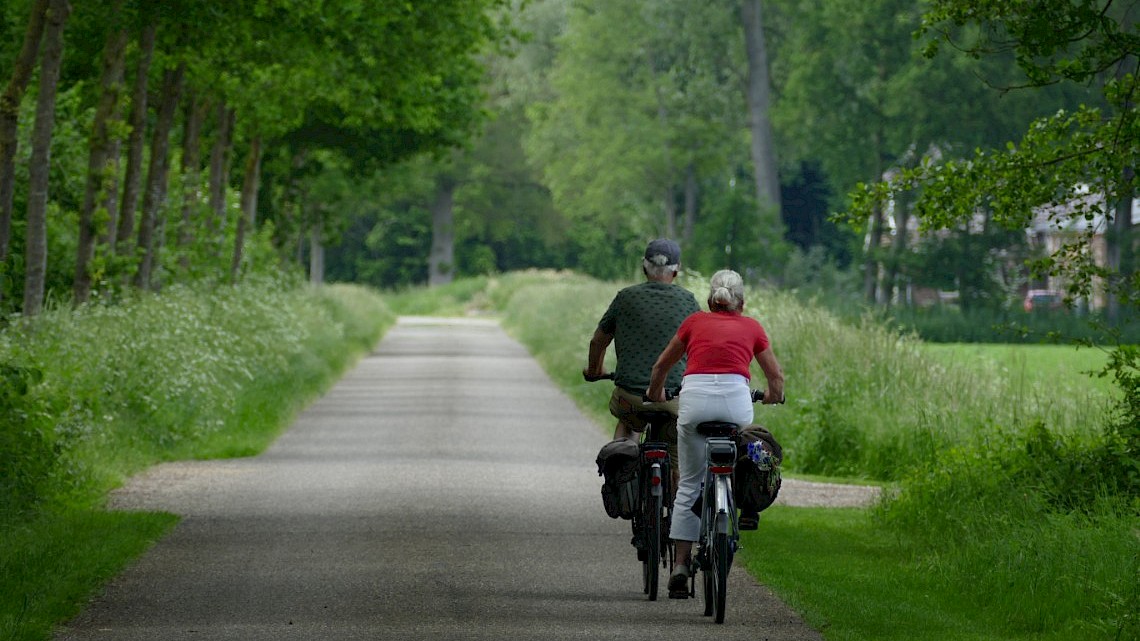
626	407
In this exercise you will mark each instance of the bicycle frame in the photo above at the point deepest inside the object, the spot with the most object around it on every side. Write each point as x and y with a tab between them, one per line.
719	532
720	461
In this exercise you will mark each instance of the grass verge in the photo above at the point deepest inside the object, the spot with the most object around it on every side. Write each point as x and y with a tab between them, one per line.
854	581
52	564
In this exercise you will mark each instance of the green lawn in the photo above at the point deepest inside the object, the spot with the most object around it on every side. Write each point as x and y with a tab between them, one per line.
1065	366
856	582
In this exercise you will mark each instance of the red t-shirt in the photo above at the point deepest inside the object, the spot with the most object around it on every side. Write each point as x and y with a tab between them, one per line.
721	343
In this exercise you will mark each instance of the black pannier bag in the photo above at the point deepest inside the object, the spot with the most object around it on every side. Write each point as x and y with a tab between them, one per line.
618	464
756	481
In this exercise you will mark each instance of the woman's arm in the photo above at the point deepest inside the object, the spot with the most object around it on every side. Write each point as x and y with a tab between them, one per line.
775	376
665	362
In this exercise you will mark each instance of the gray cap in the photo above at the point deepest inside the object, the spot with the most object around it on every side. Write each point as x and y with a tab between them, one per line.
665	248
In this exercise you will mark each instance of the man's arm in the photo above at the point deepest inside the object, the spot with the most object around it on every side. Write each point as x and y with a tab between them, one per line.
665	362
596	360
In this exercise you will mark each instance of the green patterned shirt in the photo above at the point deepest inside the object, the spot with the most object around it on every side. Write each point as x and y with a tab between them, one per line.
642	318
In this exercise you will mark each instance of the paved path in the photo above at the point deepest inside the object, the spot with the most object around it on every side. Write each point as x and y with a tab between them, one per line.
444	489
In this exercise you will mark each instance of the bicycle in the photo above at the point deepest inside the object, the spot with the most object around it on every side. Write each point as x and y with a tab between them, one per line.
719	534
654	511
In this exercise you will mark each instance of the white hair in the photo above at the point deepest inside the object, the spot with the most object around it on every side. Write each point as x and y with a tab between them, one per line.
726	290
656	268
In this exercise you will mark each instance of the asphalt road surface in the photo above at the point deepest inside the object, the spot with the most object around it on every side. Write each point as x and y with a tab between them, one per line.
444	489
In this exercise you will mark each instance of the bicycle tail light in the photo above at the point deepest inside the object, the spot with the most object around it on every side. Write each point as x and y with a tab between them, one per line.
721	453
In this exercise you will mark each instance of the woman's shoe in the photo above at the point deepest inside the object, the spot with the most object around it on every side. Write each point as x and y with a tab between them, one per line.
679	582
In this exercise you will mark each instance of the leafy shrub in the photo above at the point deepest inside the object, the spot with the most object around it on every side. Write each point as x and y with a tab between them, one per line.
1030	523
195	370
28	455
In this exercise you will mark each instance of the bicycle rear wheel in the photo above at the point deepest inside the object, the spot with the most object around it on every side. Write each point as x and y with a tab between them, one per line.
653	540
721	560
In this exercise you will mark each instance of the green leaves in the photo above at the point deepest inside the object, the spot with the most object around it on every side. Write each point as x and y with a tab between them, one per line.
17	380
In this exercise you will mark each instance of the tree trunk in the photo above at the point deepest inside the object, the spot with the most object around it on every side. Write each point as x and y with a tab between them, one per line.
110	202
35	255
249	187
690	204
316	258
441	261
23	67
133	177
191	175
670	206
100	168
758	96
1117	253
875	235
157	174
220	168
871	262
898	245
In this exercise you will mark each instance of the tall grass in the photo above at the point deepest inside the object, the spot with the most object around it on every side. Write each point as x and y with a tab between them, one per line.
863	401
97	392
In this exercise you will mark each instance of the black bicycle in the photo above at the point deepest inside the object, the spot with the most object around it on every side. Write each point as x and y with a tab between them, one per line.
654	510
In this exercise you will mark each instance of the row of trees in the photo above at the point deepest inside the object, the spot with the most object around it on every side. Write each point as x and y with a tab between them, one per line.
620	120
355	137
124	124
613	122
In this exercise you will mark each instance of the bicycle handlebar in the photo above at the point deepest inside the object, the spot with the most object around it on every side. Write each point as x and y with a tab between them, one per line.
758	396
608	376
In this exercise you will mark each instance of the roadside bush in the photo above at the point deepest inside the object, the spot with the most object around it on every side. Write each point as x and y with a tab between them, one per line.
193	371
1030	523
28	455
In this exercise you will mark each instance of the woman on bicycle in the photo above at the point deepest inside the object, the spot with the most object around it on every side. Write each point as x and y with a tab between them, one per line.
720	345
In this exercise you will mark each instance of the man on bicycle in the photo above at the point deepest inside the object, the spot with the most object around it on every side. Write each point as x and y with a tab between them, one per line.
641	320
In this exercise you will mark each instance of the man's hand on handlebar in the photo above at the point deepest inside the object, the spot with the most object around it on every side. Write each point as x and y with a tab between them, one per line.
657	396
592	376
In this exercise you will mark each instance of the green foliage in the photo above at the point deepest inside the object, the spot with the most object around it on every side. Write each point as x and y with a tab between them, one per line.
1046	514
193	370
1070	168
641	99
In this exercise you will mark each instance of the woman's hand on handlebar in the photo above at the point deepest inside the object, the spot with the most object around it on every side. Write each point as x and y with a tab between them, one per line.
766	397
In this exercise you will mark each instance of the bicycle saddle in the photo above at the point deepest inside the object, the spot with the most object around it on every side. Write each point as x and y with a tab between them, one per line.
718	429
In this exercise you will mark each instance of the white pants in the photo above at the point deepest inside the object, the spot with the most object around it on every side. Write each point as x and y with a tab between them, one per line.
704	397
